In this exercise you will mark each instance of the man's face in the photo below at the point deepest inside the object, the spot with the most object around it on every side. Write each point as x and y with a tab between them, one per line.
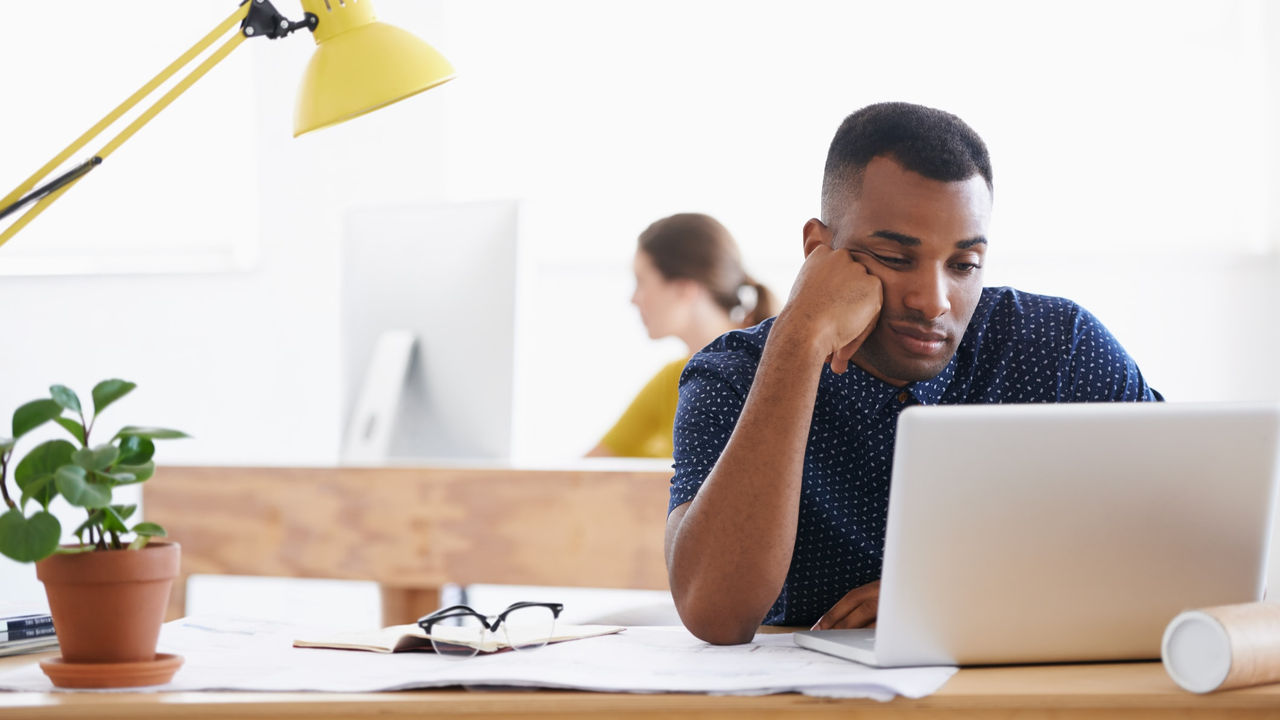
926	242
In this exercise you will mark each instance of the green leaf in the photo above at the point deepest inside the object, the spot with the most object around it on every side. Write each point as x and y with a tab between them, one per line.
135	450
139	542
44	459
125	511
41	463
33	415
112	522
73	426
41	490
94	520
150	529
109	391
113	478
73	483
66	397
140	473
151	433
99	458
82	548
29	539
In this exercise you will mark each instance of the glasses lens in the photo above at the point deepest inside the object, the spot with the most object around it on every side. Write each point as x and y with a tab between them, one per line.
528	628
458	636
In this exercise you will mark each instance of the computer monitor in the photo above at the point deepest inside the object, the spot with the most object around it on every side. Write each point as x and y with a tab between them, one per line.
428	332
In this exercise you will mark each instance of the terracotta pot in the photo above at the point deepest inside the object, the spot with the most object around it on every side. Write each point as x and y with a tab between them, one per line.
108	606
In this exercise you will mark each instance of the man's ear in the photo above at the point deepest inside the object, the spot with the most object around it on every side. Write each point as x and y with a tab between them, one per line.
816	233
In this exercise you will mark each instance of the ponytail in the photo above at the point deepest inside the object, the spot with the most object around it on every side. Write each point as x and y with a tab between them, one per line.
755	303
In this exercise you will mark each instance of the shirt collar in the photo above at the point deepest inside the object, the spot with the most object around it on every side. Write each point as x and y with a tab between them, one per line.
929	392
876	393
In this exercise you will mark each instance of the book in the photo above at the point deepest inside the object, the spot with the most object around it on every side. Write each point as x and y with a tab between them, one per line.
36	644
26	633
410	638
31	620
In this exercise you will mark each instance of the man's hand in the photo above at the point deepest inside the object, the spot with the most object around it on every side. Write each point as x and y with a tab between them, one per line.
835	299
857	609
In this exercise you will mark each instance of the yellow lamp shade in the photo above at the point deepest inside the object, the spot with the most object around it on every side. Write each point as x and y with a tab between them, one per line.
361	65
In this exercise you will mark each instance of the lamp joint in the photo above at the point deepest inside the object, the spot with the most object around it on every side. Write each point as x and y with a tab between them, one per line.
264	20
52	186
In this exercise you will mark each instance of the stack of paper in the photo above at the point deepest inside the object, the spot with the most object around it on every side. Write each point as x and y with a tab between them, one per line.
222	654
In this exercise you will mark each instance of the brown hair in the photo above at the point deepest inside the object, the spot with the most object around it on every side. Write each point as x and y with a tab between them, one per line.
693	246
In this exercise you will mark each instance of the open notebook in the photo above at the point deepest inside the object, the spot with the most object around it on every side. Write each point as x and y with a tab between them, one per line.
407	638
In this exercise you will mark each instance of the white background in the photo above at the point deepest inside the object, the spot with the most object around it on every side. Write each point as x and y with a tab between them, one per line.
1136	170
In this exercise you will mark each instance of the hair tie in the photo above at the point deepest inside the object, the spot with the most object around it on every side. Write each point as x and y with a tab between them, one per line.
748	297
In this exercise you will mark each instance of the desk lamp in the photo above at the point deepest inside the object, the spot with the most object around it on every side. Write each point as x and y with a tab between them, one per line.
359	66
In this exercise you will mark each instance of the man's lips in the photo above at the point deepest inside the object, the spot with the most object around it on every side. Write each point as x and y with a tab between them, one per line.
918	340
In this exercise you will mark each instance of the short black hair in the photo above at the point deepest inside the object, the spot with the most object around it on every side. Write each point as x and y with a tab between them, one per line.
929	142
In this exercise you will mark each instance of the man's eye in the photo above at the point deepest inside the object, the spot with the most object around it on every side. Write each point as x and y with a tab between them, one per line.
893	261
965	267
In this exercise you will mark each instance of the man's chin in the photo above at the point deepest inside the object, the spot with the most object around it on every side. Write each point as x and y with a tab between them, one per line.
901	371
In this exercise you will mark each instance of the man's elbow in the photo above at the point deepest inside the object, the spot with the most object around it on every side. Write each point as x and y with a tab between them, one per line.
719	628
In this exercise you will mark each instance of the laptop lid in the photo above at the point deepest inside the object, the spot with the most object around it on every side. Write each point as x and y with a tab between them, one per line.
1043	533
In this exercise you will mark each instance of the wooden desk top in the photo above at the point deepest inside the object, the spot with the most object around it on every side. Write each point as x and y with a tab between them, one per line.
1125	690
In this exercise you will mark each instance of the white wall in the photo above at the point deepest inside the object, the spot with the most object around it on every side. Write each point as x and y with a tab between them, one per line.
1136	170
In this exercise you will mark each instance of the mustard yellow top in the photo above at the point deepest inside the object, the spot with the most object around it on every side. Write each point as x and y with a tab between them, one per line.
645	429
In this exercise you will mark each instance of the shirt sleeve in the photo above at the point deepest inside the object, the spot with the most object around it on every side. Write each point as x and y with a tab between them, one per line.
710	403
644	430
1097	368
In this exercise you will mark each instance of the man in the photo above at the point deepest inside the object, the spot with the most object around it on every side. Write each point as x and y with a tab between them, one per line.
784	434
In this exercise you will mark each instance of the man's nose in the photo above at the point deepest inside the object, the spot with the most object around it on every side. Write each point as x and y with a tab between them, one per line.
927	294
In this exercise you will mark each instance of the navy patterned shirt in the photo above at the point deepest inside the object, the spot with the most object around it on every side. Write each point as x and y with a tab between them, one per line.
1018	348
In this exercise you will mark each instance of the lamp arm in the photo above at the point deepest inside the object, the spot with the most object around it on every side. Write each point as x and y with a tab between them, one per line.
49	193
65	178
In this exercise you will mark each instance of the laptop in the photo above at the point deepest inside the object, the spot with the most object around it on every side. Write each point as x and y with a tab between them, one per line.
1065	533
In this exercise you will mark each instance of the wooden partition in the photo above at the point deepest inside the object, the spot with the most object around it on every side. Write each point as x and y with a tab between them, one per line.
413	530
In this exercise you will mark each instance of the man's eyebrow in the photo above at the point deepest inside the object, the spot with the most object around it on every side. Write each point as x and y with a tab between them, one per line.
899	238
910	241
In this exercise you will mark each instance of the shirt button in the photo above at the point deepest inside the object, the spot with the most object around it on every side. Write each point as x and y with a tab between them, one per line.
904	396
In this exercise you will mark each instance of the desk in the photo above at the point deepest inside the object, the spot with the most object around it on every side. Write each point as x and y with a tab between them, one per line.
414	529
1097	692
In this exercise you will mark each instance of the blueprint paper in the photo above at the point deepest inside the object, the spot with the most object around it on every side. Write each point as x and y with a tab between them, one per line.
225	654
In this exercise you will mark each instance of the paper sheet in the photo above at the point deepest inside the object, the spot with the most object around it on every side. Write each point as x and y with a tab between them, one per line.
224	654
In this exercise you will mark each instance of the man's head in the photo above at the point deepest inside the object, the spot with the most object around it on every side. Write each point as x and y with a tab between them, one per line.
907	189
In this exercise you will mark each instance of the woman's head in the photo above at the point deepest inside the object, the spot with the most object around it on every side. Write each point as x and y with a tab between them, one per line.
687	259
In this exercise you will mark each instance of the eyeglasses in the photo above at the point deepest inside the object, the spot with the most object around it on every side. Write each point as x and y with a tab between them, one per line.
460	631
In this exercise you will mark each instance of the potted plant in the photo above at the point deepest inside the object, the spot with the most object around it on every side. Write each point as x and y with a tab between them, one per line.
107	593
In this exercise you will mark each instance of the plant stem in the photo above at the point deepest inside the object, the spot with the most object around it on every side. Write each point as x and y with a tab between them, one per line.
4	477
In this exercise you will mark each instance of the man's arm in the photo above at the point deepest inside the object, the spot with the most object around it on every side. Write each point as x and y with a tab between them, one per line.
728	550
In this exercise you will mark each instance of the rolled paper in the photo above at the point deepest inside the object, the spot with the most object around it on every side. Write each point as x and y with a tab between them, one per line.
1224	647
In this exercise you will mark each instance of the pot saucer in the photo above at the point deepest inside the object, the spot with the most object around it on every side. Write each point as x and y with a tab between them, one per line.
111	675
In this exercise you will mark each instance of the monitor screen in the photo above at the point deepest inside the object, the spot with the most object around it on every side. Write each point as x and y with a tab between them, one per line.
428	331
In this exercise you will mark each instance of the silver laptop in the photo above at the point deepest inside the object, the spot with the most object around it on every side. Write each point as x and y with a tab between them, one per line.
1059	533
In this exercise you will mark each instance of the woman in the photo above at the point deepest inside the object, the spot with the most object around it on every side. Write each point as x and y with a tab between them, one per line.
690	284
